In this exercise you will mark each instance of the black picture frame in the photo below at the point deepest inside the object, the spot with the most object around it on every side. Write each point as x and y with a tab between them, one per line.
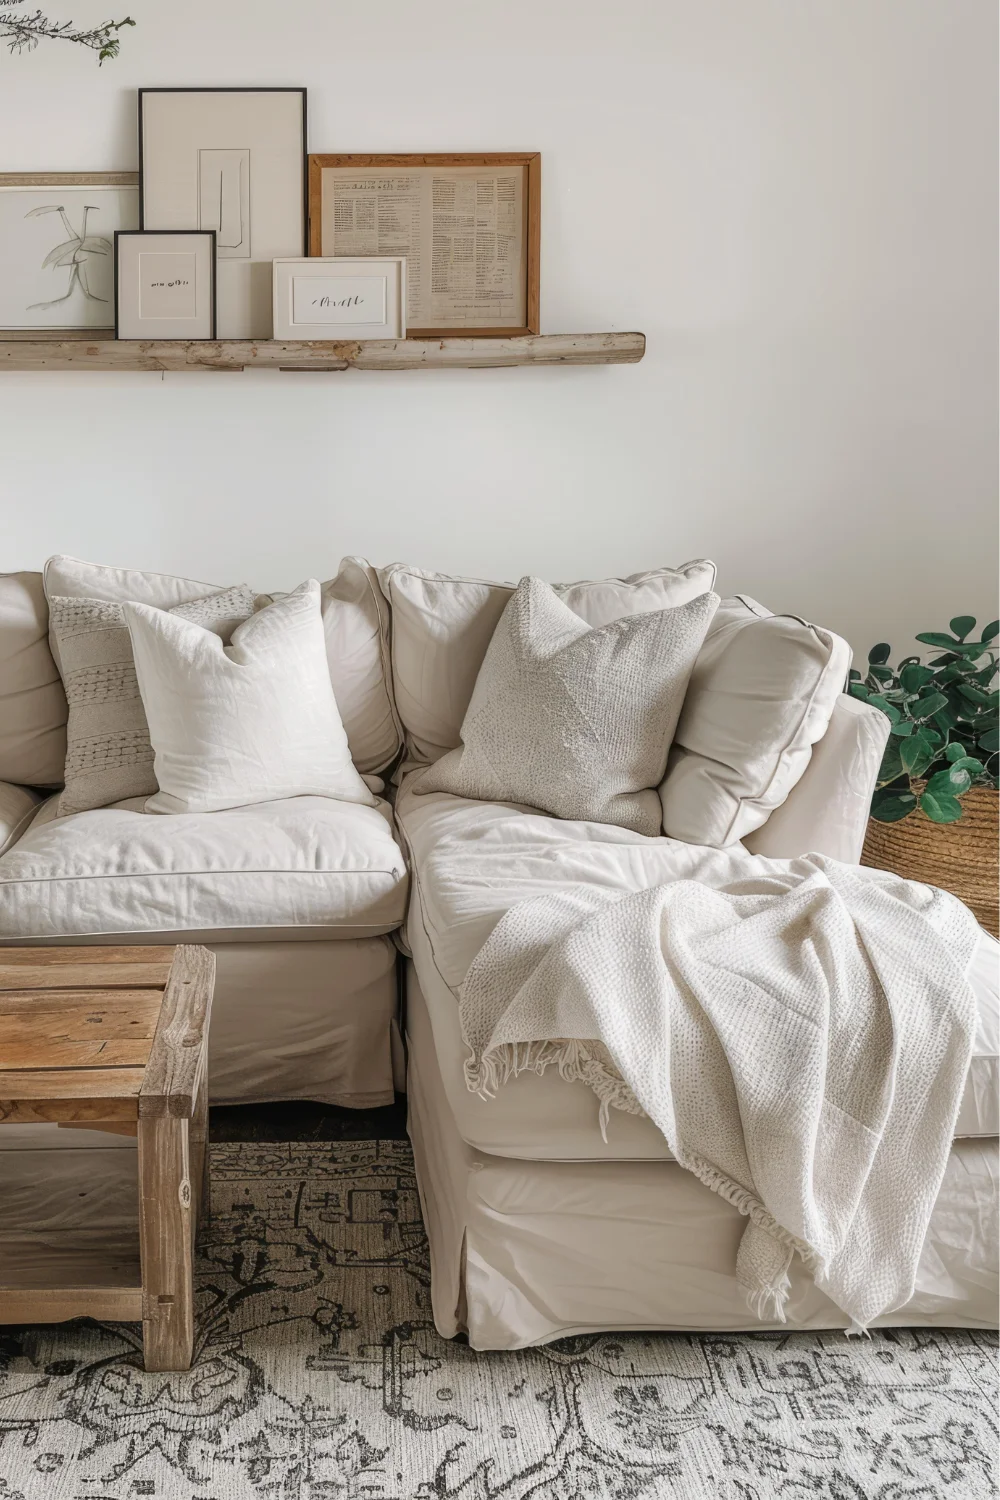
132	234
233	89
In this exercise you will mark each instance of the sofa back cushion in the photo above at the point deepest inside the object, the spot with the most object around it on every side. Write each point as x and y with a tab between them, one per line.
355	620
356	624
32	701
761	694
441	627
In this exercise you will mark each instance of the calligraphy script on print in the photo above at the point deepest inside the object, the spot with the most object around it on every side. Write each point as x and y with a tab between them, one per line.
339	300
168	284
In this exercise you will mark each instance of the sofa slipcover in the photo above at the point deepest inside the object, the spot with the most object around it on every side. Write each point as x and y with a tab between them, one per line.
18	806
306	865
471	861
32	702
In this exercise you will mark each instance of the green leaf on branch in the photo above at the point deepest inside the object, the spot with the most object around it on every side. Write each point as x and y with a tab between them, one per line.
971	764
879	654
930	704
990	741
892	766
962	624
878	701
937	638
950	783
892	807
913	678
991	632
901	730
916	755
940	807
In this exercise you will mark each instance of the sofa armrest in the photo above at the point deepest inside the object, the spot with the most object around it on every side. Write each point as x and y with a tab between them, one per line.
18	805
827	811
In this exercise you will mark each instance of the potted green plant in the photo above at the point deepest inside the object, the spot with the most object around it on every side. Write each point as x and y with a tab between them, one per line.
940	763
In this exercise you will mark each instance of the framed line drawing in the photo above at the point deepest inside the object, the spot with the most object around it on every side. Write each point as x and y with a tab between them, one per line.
165	284
229	160
57	230
340	298
468	223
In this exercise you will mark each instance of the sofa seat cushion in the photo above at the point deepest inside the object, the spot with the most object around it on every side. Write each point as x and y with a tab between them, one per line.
305	865
471	861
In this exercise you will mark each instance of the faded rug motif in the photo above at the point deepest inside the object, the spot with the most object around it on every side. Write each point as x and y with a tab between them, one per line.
320	1376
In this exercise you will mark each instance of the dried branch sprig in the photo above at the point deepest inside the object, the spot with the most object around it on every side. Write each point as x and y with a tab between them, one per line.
23	32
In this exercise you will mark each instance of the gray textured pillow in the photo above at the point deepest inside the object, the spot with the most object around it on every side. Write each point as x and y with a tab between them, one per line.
574	720
108	754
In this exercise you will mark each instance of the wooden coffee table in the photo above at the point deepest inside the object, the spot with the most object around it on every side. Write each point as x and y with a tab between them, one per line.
112	1039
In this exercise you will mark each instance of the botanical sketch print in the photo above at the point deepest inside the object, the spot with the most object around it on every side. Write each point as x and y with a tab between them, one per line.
319	1375
74	254
58	254
224	199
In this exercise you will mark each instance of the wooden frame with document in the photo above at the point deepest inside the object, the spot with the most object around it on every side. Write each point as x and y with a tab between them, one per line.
469	224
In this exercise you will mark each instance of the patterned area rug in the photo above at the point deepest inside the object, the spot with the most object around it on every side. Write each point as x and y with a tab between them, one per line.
320	1377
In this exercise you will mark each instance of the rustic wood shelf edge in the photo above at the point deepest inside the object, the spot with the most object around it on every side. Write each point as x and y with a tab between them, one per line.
78	352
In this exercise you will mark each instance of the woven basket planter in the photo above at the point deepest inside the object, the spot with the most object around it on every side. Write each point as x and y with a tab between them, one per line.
959	857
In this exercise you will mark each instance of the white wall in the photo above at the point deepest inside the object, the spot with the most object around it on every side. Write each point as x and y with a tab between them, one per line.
794	199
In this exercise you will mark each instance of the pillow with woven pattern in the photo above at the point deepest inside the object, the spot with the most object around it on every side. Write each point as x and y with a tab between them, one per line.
572	719
108	753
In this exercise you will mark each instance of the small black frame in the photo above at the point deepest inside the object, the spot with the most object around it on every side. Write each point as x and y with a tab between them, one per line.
233	89
132	234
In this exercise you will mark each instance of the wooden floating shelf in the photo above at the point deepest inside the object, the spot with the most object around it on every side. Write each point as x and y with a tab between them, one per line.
83	351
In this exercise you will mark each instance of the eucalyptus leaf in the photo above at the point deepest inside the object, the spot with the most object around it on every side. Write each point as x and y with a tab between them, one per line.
940	808
991	632
880	653
962	625
916	755
990	741
970	764
892	807
914	677
950	783
902	729
938	638
930	704
891	712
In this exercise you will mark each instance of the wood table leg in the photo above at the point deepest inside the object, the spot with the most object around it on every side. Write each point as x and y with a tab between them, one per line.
200	1170
165	1241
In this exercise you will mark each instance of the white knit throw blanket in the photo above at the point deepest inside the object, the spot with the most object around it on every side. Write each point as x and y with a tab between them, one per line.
800	1036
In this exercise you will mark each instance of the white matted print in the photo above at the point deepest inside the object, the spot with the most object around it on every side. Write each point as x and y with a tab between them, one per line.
57	233
165	284
233	161
329	297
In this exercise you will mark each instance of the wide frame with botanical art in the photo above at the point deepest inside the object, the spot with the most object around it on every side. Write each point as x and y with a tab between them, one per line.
468	223
57	230
230	160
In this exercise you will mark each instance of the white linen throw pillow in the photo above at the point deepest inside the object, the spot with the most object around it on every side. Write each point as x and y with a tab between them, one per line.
574	720
254	721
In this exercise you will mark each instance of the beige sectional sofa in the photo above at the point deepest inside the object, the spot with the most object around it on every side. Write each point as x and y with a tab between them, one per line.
538	1226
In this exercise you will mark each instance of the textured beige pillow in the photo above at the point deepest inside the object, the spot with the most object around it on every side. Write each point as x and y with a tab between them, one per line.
762	693
574	720
441	627
108	753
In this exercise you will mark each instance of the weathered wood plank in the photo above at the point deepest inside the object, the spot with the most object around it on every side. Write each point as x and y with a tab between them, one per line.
38	958
80	1014
177	1056
47	1053
49	1276
340	354
166	1238
110	1127
68	1111
74	976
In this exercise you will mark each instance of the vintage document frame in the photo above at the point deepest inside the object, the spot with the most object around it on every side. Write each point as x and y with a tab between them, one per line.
469	225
